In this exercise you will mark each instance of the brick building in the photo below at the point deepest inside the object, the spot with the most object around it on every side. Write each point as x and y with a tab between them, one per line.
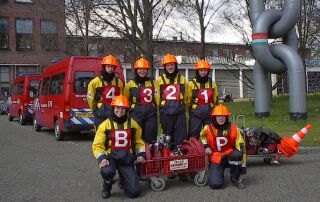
32	35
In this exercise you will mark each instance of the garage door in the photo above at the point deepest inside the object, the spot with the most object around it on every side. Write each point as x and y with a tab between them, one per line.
228	80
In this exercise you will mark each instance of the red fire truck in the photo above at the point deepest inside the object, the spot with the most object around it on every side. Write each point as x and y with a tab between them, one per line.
23	91
62	103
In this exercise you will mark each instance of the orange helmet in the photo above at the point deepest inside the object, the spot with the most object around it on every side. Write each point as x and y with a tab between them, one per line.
220	110
203	64
120	101
141	64
110	60
169	59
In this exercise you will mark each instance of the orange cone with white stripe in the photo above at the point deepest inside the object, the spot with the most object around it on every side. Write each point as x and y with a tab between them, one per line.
290	145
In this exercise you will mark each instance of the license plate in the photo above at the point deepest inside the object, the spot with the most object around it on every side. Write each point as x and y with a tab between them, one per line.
179	164
83	115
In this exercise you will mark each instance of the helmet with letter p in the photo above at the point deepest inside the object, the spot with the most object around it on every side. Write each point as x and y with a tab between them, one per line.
220	110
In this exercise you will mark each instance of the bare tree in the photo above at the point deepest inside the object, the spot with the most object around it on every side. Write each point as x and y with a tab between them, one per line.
202	10
308	28
81	21
135	21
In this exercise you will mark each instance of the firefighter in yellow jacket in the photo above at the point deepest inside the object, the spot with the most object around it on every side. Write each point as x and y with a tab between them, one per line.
202	96
102	89
226	148
113	146
171	97
141	93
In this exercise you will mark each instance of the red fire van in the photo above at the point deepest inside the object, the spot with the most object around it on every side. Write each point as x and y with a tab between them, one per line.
62	103
23	90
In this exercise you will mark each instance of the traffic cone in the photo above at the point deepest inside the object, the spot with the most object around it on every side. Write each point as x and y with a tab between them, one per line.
290	145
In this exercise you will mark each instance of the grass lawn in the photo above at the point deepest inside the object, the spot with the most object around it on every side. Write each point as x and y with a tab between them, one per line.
279	119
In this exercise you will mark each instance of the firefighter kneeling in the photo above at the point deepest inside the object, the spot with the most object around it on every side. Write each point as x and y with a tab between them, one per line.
113	147
225	146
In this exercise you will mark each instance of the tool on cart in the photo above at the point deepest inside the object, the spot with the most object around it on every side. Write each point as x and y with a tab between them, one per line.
188	158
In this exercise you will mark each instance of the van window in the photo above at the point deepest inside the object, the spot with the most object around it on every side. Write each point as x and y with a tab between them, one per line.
33	88
57	83
81	81
45	86
17	88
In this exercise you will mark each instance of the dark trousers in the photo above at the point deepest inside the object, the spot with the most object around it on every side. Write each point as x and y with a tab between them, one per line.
148	125
216	172
174	126
196	124
129	177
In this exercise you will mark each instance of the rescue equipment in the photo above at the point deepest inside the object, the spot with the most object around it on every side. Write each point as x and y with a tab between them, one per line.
188	158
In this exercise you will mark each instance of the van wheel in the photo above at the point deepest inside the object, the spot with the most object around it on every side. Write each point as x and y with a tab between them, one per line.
10	118
36	127
22	119
58	132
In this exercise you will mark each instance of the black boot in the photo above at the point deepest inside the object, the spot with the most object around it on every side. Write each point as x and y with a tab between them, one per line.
237	183
106	190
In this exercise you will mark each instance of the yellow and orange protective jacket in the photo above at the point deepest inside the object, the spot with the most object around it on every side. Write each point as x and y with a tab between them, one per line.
103	142
171	106
226	142
93	97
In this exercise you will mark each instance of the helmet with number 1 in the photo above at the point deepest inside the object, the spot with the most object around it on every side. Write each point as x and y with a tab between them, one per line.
220	110
120	101
141	64
203	64
110	60
169	59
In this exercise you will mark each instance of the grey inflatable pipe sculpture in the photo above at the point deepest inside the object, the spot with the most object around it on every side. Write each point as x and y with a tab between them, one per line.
278	58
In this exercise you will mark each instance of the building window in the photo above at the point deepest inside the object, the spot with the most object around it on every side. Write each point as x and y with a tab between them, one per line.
49	35
4	34
24	34
214	53
3	1
24	1
226	53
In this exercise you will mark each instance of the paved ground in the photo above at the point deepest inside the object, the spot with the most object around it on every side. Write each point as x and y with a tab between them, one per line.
34	167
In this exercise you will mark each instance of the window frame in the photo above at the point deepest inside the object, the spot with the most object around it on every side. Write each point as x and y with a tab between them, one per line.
15	88
7	33
24	1
61	77
43	84
44	37
23	34
76	78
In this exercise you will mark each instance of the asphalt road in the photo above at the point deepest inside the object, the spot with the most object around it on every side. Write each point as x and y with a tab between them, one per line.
34	167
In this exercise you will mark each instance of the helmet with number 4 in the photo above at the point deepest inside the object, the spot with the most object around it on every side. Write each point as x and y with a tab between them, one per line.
120	101
110	60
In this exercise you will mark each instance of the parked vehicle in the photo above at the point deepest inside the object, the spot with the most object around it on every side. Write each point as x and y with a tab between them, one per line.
3	106
23	91
62	103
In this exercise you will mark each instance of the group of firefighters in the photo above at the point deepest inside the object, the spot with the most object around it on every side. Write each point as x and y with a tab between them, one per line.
126	119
